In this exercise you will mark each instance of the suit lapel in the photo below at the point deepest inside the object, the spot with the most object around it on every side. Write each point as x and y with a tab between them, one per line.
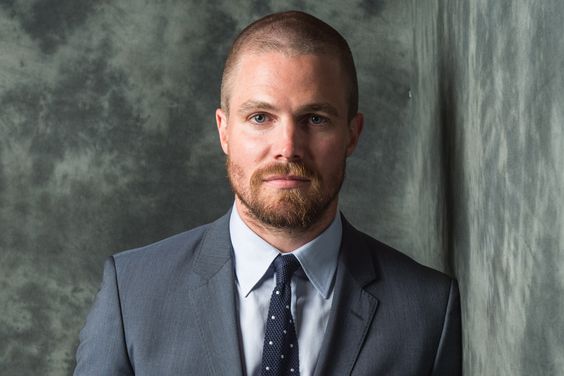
352	310
213	298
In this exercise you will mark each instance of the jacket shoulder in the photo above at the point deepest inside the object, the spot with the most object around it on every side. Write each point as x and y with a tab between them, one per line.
392	265
169	253
182	242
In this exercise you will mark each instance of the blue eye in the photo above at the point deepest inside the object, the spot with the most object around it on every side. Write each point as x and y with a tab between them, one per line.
317	120
259	118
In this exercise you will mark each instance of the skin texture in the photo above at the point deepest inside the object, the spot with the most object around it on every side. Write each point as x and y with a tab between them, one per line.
287	137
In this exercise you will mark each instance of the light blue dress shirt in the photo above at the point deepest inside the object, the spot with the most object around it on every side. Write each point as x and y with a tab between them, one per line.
312	290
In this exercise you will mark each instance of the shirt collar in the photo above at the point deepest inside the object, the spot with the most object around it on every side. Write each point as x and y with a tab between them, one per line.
253	255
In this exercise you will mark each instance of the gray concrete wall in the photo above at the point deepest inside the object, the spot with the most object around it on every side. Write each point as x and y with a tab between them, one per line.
107	142
502	74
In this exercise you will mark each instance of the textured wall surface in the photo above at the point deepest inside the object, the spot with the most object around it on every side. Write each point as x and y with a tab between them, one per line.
503	84
108	141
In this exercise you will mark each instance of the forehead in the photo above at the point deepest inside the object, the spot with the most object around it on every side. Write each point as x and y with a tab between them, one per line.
292	77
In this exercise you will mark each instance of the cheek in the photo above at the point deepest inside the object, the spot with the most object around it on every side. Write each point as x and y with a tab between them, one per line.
244	157
330	159
329	150
248	149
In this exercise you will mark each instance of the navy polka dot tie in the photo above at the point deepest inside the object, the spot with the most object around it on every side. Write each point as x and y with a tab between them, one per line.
280	354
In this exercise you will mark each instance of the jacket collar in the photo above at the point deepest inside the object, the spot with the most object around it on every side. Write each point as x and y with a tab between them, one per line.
354	305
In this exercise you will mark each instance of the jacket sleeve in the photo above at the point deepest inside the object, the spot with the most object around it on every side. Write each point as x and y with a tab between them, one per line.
448	360
102	348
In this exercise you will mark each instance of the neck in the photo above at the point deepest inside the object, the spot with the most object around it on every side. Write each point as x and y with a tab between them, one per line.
283	239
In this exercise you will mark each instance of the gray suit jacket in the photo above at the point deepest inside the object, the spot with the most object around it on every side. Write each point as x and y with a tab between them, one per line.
170	309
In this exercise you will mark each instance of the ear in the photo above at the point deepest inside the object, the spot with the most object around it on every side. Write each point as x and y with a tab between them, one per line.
355	129
221	121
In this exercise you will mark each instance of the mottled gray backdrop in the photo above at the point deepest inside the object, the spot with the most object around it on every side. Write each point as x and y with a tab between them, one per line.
108	141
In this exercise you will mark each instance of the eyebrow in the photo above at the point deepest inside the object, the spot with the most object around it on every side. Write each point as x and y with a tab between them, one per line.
252	105
320	107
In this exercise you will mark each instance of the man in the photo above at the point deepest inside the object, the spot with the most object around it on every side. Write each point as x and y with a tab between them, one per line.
282	284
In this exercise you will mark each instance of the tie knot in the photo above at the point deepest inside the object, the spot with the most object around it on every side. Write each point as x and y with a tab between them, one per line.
285	266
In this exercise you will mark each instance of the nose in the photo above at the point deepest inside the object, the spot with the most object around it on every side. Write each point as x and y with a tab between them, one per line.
289	143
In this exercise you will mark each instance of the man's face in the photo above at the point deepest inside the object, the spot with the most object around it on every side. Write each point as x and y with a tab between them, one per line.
287	136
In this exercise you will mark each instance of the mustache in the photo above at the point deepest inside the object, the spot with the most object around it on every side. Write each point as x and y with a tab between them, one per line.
299	169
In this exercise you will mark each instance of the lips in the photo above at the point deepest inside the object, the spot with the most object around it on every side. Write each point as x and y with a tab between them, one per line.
286	177
285	181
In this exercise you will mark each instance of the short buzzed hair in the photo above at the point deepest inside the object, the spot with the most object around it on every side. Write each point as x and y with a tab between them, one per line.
292	32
